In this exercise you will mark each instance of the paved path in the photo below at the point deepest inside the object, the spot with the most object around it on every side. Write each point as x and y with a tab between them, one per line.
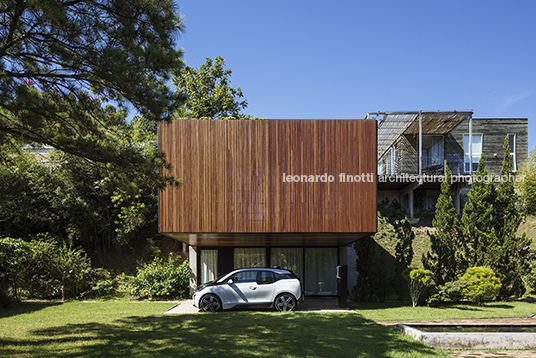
310	304
182	307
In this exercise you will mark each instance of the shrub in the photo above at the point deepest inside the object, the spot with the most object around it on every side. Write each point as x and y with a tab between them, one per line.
449	292
53	266
481	284
40	268
162	279
14	254
418	280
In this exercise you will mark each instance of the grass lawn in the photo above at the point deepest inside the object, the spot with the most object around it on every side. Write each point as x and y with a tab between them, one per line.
402	311
137	329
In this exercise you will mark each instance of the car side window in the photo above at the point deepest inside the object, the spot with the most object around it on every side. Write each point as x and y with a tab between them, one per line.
265	277
280	276
245	276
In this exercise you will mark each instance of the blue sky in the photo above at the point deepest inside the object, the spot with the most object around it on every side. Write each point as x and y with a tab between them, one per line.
341	59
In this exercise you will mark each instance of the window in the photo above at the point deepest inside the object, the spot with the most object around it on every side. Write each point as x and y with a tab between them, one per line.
265	277
471	164
320	271
255	257
432	154
512	145
209	265
245	276
288	258
390	161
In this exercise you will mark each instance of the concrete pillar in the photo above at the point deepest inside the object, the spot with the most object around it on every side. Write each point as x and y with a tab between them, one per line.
457	200
193	267
410	203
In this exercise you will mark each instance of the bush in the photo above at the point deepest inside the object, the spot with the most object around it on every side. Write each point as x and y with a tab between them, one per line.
449	292
418	280
481	284
14	254
53	266
162	279
39	268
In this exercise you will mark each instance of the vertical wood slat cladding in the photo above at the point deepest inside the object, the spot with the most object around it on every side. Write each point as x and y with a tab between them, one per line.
232	174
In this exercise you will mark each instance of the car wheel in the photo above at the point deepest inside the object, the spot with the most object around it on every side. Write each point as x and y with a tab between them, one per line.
210	303
285	302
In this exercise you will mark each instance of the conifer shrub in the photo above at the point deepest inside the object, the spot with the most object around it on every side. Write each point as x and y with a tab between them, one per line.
482	284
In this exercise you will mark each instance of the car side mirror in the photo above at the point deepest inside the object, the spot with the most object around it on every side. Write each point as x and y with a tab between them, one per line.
230	281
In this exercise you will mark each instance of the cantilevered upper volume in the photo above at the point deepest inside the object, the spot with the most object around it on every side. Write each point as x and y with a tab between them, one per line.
270	182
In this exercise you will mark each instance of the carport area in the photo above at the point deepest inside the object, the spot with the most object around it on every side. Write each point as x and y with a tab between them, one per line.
310	304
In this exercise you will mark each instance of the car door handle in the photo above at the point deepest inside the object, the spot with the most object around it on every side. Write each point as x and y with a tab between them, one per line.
253	287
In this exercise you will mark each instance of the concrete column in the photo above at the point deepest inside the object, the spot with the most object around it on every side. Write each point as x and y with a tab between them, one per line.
410	203
457	200
193	267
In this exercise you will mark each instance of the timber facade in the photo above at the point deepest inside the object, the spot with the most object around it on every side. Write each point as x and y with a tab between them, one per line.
286	193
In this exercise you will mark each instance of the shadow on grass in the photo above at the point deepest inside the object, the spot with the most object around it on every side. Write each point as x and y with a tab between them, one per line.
228	334
25	307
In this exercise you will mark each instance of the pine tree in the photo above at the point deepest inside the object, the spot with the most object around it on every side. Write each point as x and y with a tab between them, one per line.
509	259
477	231
60	60
442	258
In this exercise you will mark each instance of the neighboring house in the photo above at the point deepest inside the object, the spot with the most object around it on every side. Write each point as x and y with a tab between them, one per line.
287	193
414	147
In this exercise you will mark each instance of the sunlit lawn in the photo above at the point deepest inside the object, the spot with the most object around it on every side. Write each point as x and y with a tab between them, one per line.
402	311
138	329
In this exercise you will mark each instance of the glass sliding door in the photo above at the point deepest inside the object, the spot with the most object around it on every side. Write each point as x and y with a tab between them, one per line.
209	265
320	271
249	257
288	258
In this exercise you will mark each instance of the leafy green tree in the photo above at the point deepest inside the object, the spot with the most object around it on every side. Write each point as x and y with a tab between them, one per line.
418	280
442	259
477	231
482	284
61	60
208	92
91	204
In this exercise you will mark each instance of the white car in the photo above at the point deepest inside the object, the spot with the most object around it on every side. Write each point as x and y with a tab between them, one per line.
276	288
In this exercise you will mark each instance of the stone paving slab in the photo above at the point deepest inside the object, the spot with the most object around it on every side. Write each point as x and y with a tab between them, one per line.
182	307
486	354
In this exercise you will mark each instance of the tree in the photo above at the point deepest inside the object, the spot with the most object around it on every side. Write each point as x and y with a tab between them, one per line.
527	187
482	284
510	257
442	258
93	205
208	93
60	60
477	231
378	269
418	280
404	245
